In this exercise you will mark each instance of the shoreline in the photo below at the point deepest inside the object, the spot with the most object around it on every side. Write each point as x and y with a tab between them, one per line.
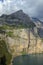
24	55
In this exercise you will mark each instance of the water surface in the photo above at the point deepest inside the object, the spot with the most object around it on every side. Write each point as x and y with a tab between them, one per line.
36	59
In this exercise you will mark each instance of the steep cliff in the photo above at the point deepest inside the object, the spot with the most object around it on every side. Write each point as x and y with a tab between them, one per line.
19	41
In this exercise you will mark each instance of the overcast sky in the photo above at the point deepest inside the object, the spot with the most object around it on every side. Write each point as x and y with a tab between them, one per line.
31	7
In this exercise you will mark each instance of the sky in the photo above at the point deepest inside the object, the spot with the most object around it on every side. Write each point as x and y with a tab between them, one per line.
34	8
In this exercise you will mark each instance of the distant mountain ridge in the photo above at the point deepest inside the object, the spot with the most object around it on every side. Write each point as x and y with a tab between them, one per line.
39	25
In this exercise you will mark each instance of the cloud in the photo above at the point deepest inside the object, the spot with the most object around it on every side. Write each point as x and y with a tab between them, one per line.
1	8
31	7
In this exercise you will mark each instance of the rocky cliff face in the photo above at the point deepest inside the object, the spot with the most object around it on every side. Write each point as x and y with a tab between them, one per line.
17	41
20	41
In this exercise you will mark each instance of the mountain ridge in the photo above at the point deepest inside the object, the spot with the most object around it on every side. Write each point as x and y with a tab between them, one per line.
20	15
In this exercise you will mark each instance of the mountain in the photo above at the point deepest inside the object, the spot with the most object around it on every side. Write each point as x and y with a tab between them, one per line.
18	18
35	19
37	22
21	15
39	25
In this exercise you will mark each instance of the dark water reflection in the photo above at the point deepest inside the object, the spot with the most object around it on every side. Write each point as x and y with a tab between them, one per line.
29	60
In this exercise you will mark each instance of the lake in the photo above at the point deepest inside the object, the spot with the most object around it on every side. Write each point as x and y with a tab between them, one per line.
34	59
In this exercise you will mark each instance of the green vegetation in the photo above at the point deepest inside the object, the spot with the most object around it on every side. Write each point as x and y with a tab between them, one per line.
42	39
5	27
10	34
21	25
16	26
24	52
4	52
